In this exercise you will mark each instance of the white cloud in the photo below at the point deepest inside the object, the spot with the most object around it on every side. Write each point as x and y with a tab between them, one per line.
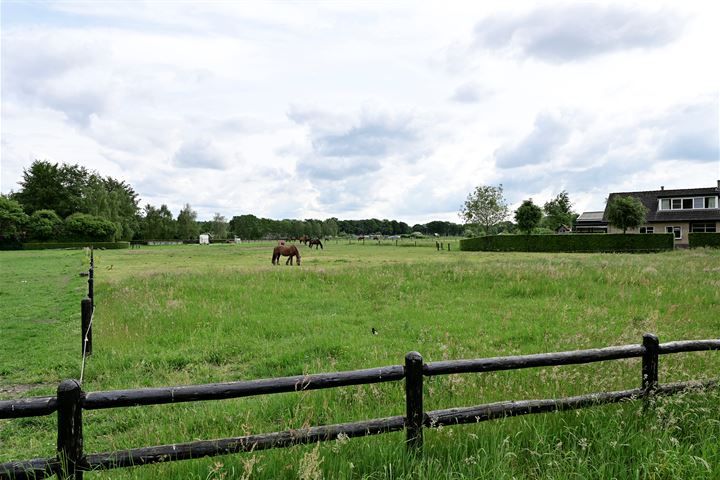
578	31
344	109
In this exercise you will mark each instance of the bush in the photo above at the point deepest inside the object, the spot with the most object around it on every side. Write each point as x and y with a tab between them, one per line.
601	242
44	225
57	245
81	227
711	240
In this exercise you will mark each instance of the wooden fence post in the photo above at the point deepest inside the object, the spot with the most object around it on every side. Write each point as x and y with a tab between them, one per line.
414	401
69	439
91	284
650	363
448	246
86	312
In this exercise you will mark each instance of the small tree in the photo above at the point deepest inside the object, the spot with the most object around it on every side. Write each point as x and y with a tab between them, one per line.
219	227
12	219
626	212
187	226
559	211
45	225
528	216
485	206
84	227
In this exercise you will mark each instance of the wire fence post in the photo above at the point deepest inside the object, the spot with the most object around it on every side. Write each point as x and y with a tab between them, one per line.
86	312
414	401
70	438
650	362
91	285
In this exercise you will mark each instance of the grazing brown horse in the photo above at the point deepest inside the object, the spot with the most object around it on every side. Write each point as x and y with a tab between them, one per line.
304	239
289	251
316	242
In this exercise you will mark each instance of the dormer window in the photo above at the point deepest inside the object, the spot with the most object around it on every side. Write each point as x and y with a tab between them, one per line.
689	203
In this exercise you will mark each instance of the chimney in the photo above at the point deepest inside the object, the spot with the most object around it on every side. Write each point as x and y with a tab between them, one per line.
718	185
662	187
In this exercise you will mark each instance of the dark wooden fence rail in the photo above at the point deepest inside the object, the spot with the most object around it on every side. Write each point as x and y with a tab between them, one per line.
70	401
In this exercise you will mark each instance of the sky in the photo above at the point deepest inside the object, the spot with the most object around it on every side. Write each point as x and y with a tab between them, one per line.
355	110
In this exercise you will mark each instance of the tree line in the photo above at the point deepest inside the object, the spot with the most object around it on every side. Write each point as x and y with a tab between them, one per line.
59	202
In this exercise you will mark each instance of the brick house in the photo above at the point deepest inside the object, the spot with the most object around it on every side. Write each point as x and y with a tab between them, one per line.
676	211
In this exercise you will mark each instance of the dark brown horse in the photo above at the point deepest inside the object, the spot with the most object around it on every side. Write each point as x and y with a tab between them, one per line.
286	251
316	242
304	239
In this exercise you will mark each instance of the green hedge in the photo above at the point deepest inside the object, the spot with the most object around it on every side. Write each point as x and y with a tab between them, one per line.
54	245
601	242
704	240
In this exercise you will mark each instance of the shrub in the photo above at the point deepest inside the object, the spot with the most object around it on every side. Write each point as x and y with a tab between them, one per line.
88	228
704	240
44	225
57	245
601	242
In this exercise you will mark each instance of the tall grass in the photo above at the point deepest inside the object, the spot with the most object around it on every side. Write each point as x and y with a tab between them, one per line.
182	315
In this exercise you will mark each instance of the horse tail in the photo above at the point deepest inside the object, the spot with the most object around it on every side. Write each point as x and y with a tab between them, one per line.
321	247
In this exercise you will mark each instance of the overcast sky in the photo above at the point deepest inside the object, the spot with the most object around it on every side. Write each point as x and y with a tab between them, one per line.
364	109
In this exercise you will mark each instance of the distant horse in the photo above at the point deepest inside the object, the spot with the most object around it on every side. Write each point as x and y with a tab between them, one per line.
286	251
361	237
304	239
315	242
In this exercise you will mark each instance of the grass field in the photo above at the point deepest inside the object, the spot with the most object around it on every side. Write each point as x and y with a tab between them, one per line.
199	314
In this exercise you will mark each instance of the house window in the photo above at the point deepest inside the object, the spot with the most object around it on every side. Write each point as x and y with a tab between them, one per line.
703	227
677	231
694	203
647	229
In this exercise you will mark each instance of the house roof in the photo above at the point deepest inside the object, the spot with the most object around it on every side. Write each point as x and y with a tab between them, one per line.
591	216
650	200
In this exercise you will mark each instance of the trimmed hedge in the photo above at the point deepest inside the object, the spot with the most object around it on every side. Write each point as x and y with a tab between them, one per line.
704	240
54	245
588	242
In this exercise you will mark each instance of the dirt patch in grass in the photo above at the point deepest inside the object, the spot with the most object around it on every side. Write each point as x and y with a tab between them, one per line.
20	388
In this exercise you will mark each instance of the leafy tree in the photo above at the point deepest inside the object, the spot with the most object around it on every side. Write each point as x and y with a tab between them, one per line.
246	226
113	200
187	226
626	212
330	227
528	216
54	187
559	212
485	206
84	227
219	227
12	218
45	225
158	223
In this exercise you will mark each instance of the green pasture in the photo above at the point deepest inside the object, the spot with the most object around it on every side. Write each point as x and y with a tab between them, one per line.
197	314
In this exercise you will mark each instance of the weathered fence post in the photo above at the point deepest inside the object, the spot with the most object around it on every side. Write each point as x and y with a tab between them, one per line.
86	312
650	363
448	246
414	401
69	439
91	284
437	245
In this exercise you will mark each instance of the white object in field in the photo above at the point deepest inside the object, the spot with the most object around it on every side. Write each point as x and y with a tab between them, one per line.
204	239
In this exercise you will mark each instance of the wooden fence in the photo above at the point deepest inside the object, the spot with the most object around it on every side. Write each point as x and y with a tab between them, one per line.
71	401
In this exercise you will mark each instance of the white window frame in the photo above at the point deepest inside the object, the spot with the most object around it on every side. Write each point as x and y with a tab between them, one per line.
647	230
692	199
673	230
